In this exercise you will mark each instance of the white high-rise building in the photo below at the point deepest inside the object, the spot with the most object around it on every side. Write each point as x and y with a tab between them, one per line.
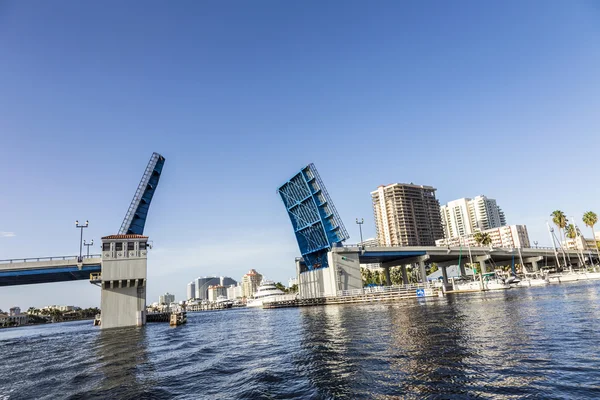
191	290
466	216
234	292
166	298
508	236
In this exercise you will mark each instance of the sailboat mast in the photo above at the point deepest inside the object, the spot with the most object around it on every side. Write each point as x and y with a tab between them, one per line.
550	230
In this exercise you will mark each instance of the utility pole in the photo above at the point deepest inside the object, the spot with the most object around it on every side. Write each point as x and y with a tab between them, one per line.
359	223
80	259
88	247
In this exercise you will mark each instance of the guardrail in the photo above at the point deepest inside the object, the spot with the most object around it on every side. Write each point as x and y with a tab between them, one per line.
37	259
383	289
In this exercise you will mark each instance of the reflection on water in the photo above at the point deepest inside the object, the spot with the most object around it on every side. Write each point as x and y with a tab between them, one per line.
534	342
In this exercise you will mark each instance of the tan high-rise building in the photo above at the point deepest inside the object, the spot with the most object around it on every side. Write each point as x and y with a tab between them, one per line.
406	215
250	283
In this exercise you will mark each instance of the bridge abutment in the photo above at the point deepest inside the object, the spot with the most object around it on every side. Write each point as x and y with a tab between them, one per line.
123	281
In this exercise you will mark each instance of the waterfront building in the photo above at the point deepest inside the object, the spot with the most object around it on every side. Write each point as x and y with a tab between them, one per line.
14	311
227	281
406	215
292	282
250	283
166	298
234	292
214	291
13	319
202	285
581	243
466	216
509	236
191	290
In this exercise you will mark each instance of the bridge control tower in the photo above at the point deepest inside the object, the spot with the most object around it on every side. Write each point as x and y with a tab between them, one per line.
124	258
123	283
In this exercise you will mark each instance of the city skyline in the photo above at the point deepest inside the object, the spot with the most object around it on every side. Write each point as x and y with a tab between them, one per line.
237	108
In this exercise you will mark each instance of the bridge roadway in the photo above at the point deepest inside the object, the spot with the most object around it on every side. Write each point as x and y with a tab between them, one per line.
48	269
450	255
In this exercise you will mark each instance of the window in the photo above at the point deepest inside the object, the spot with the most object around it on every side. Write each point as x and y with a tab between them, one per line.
130	246
119	246
142	245
105	246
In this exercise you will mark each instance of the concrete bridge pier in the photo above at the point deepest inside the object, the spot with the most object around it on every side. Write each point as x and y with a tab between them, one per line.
463	273
423	271
388	279
123	281
534	262
404	275
482	260
444	275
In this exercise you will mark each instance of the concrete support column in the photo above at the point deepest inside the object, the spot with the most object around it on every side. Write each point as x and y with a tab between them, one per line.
483	268
388	279
463	273
423	271
444	275
404	275
534	266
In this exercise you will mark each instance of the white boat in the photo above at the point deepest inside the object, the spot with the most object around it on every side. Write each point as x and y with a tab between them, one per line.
493	281
573	276
266	292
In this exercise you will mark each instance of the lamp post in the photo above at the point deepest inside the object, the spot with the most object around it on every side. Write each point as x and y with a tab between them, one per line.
80	259
535	242
359	223
88	247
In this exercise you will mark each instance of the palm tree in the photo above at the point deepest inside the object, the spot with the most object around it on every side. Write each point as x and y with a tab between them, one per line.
571	232
590	219
560	220
482	238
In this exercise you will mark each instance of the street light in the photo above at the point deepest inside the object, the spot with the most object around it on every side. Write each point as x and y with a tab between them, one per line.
80	259
535	242
88	247
359	223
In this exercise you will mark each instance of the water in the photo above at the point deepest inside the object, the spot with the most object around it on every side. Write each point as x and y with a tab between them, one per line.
520	343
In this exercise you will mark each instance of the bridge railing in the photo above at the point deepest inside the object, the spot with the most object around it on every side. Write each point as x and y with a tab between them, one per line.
384	289
55	258
370	245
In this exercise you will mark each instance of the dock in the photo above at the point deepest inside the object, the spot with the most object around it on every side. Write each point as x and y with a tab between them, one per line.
173	318
365	295
208	307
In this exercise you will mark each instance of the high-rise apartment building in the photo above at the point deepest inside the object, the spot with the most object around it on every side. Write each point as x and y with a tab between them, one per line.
466	216
216	291
191	290
166	298
406	215
250	283
202	285
508	236
227	281
234	292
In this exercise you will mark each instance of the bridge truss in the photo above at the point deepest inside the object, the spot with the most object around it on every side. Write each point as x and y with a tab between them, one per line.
317	225
135	219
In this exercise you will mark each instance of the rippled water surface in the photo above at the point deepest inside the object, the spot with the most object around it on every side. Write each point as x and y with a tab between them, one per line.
520	343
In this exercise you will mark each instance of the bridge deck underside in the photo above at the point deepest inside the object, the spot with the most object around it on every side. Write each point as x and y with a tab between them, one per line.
388	256
438	255
47	275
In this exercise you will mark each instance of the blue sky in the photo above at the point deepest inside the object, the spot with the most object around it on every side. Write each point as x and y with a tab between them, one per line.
470	97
